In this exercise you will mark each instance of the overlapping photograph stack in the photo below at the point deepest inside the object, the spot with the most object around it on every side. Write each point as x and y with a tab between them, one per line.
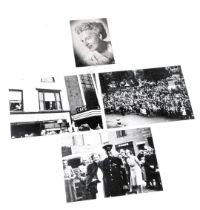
102	118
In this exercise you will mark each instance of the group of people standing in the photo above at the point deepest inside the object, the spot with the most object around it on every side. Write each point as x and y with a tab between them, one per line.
142	170
118	174
151	99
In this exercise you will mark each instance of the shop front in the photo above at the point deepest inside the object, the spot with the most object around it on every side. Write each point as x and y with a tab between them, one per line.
125	146
28	124
92	118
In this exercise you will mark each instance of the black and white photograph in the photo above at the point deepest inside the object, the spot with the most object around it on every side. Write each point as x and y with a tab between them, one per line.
91	42
101	165
53	105
136	97
83	102
141	109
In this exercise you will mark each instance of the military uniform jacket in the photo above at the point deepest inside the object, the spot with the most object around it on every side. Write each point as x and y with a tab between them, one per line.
114	176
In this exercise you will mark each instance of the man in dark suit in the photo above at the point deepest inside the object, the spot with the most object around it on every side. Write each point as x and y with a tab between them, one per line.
92	179
114	174
152	171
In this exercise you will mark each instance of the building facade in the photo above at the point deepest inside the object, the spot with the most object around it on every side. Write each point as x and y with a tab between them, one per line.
132	139
38	106
83	101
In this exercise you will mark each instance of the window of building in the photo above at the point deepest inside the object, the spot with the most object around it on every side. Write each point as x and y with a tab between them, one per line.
141	146
49	100
89	91
121	133
86	81
16	100
48	79
78	140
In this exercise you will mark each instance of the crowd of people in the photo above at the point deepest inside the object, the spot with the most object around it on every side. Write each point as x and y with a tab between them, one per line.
120	173
167	97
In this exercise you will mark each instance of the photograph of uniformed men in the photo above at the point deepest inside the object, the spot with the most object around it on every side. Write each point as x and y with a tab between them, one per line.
145	96
110	164
115	179
91	42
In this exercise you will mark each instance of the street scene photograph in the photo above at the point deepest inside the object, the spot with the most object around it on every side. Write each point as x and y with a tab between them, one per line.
137	97
43	106
99	165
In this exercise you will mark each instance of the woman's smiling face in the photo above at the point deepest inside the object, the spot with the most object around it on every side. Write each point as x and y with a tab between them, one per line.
91	40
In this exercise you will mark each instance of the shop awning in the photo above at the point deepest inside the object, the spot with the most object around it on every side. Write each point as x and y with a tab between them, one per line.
38	117
140	142
86	114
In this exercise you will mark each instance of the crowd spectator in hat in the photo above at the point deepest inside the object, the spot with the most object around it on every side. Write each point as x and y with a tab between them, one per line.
115	179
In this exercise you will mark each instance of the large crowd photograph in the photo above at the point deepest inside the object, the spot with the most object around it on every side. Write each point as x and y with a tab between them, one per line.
137	97
99	165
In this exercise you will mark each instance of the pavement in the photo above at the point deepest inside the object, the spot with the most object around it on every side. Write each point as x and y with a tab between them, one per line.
134	120
146	190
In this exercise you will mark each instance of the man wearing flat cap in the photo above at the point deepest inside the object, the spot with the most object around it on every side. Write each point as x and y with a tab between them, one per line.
114	174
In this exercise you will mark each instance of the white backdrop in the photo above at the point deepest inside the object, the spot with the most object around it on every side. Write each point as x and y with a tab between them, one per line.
36	40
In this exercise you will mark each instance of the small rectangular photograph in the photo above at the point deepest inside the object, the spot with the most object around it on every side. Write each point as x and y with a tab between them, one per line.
109	164
136	97
91	42
83	102
53	105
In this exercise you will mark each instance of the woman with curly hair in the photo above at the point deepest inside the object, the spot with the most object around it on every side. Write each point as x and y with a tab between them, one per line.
136	180
93	36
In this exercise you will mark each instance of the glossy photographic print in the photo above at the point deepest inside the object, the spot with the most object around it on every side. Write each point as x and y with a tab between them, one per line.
83	102
91	42
53	105
115	163
145	96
